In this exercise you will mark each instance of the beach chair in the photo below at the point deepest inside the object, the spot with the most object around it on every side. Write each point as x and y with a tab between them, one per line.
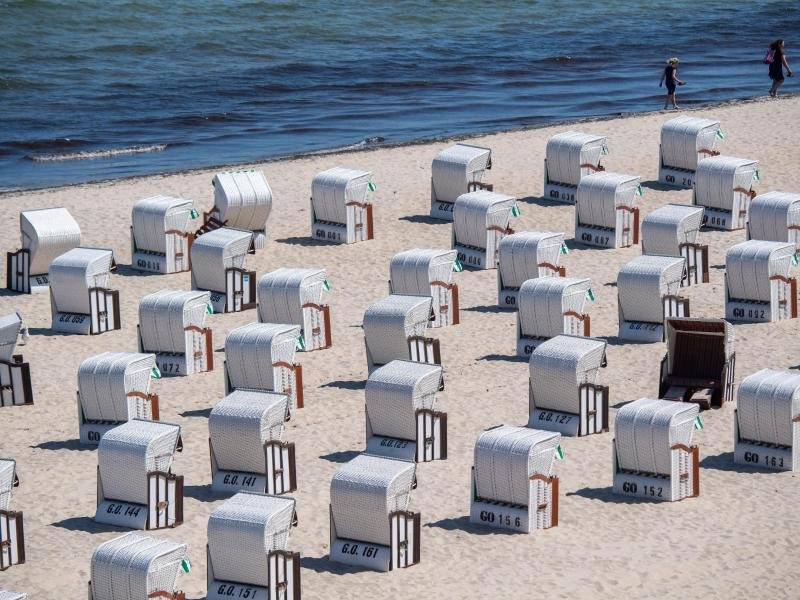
758	287
135	565
421	272
261	357
647	289
606	215
248	555
700	362
12	535
526	255
480	221
457	170
340	210
172	326
162	232
246	441
113	388
135	484
653	453
80	302
8	595
775	217
218	266
394	329
570	156
402	420
371	526
513	486
242	200
672	231
551	306
564	395
685	141
724	188
15	373
767	421
46	233
294	297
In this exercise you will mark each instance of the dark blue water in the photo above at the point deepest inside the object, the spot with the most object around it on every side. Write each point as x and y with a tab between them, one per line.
97	89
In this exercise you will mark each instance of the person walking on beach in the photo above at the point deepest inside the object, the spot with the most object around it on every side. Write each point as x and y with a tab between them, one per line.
670	77
776	58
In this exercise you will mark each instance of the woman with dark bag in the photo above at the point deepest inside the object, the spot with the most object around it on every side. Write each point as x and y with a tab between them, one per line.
670	77
778	56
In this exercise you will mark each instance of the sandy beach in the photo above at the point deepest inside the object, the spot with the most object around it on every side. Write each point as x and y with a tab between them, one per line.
736	540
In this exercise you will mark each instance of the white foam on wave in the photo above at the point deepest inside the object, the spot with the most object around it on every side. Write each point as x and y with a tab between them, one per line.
91	154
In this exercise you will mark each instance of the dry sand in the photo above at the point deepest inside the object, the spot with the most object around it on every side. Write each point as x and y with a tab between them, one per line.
738	539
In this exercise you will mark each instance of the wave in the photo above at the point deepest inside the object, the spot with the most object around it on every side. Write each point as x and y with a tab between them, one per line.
46	143
92	154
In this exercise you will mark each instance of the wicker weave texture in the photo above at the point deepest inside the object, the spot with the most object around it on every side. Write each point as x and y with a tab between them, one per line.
749	266
165	315
767	403
522	253
475	212
365	491
153	217
243	530
683	137
455	167
505	459
48	233
542	303
214	252
718	176
600	194
127	453
106	379
8	595
243	199
10	328
331	190
411	272
283	292
251	350
241	423
74	273
8	468
772	214
388	323
643	282
666	228
567	151
646	431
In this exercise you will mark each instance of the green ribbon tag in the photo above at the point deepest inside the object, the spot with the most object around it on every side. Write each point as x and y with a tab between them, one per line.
698	424
795	259
210	308
590	294
155	372
720	135
326	285
639	190
515	210
372	187
559	452
457	266
605	150
757	175
194	214
301	343
564	249
186	565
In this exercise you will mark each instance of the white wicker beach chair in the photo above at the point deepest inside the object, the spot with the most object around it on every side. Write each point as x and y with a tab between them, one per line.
775	216
80	300
370	523
685	141
242	200
420	272
513	486
8	595
294	297
653	453
724	187
248	555
12	536
114	387
172	326
526	255
570	156
162	232
15	373
564	395
340	211
394	329
46	233
218	266
700	362
672	231
402	420
647	289
758	287
137	566
767	421
548	307
135	485
247	448
480	221
261	357
455	171
606	214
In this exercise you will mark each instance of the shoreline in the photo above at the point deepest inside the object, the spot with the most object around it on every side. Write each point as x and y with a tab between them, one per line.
400	144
